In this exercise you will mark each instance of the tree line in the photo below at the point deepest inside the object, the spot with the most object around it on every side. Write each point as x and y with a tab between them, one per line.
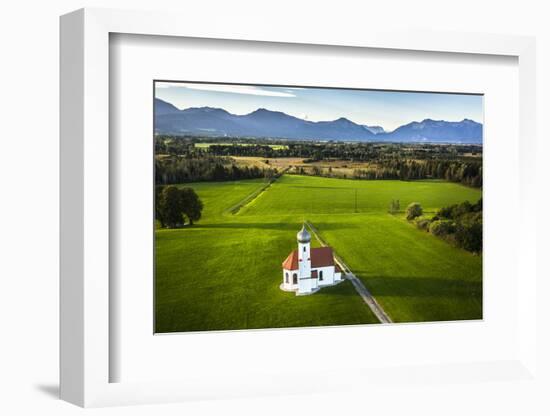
362	152
460	224
466	172
184	162
313	151
182	169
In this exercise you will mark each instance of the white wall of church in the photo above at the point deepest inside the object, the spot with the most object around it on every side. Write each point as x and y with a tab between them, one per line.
305	285
328	275
288	284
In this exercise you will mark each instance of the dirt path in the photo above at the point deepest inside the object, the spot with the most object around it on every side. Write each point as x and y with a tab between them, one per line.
249	198
357	283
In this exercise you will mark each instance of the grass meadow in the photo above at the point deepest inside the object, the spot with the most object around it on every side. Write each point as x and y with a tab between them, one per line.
224	272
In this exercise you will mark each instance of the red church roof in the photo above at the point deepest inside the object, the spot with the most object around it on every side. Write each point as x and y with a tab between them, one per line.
320	257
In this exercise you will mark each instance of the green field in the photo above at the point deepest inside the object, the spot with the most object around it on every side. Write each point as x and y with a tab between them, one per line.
207	145
224	272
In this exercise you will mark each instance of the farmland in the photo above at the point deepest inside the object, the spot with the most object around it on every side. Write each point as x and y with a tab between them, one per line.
224	272
203	145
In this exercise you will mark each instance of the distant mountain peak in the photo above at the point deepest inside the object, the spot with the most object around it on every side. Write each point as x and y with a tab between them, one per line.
206	109
343	120
265	111
164	107
217	122
441	131
375	129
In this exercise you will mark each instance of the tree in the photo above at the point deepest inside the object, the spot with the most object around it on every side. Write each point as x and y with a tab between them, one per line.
192	205
464	221
394	206
423	224
469	236
316	171
478	206
158	191
442	228
414	210
174	205
170	207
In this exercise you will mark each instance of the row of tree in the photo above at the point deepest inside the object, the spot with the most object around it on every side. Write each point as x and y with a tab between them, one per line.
182	161
466	172
178	169
315	151
461	224
356	151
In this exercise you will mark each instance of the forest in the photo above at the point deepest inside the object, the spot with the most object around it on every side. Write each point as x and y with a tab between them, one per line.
174	169
182	159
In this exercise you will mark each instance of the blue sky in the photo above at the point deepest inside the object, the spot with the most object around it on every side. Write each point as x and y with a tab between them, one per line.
388	109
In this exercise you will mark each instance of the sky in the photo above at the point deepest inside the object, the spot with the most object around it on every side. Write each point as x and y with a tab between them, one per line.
389	109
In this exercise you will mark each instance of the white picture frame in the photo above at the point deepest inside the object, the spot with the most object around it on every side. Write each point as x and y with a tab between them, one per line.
85	212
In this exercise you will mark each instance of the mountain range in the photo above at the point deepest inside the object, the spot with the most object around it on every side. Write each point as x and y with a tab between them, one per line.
217	122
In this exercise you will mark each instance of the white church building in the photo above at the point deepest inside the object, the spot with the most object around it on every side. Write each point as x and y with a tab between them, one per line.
307	269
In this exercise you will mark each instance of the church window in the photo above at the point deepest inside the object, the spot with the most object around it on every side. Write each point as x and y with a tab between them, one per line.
295	278
286	277
321	275
304	249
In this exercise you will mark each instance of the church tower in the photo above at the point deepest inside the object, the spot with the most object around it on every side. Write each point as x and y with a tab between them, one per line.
304	256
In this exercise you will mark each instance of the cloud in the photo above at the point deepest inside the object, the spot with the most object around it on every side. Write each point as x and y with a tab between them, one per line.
234	89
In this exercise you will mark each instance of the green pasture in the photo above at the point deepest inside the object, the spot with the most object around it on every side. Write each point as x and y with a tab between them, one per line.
307	195
412	274
224	272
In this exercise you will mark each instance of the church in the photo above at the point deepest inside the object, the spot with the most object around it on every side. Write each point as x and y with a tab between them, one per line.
306	270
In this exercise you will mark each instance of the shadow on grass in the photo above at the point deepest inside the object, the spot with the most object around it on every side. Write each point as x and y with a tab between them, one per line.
279	226
422	287
341	188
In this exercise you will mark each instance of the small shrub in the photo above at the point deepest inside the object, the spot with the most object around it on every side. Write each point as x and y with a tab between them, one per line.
394	206
414	210
423	224
442	228
446	212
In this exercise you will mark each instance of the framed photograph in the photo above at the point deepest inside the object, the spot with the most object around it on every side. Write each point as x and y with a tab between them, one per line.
284	212
267	193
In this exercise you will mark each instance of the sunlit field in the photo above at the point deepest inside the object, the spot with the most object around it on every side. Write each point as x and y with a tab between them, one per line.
224	272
